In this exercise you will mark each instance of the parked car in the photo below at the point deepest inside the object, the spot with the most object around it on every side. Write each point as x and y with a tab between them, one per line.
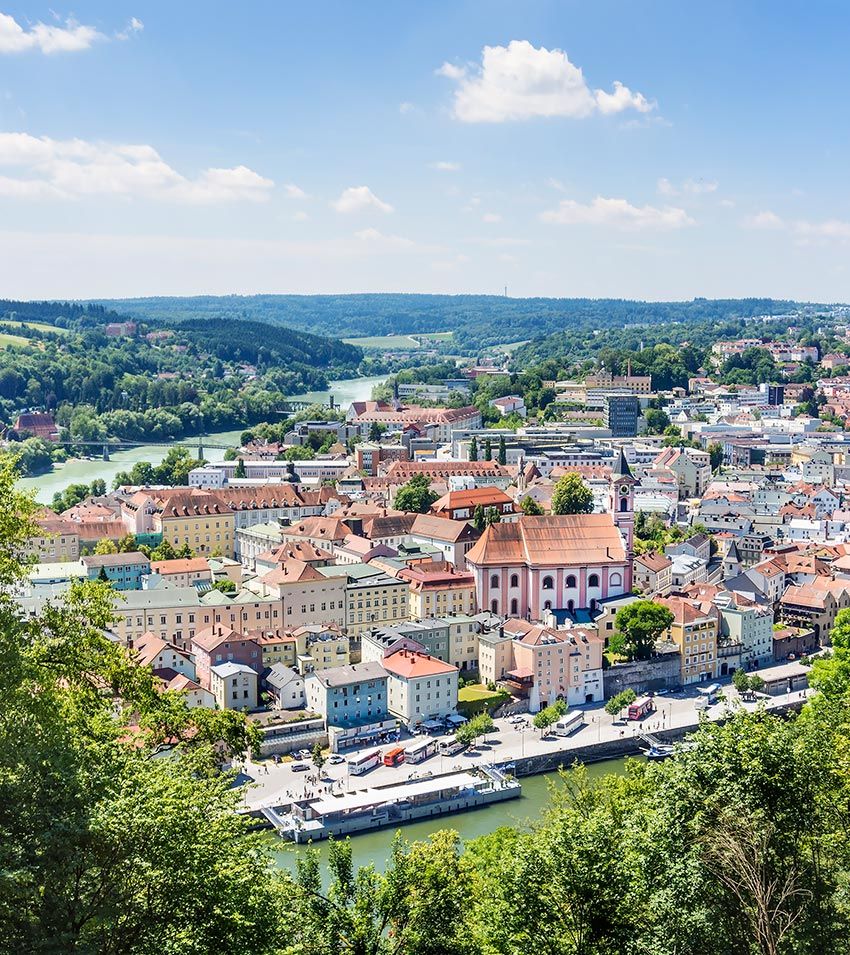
335	759
300	767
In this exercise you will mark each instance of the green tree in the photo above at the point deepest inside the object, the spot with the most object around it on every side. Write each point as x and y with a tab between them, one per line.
503	451
530	507
416	495
105	848
473	449
479	518
549	716
656	420
642	623
318	756
239	471
619	702
488	449
102	576
715	451
571	495
479	725
493	516
106	546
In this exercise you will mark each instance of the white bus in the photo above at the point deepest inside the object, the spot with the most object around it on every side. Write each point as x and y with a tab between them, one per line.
363	762
421	750
448	747
569	723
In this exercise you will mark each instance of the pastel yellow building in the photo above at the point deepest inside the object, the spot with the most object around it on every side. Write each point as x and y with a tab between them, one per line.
197	519
438	590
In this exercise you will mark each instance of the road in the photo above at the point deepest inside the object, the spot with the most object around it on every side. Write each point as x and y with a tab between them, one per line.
273	784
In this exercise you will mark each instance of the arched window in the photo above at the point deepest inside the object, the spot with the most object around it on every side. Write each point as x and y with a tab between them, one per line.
571	581
514	580
571	605
615	580
593	580
494	581
548	583
547	605
594	604
624	503
514	607
494	606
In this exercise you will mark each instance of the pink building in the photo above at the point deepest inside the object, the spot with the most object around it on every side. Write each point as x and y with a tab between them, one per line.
568	562
550	665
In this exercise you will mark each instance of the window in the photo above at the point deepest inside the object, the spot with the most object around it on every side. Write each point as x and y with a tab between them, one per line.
514	580
615	580
494	581
593	580
571	581
548	583
624	504
514	607
494	606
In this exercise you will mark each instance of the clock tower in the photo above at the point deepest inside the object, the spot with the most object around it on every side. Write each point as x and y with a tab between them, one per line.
621	498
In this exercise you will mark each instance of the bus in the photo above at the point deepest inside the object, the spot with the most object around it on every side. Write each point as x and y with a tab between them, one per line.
642	706
421	750
569	723
710	693
394	756
363	762
448	747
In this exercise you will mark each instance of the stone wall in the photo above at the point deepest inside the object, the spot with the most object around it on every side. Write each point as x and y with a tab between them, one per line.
660	673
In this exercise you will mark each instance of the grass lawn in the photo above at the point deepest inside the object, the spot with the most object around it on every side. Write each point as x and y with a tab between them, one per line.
40	326
16	340
399	342
476	698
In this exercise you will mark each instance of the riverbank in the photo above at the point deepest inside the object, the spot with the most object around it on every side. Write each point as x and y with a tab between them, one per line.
84	471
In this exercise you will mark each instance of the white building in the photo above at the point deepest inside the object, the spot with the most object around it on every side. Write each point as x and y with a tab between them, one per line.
420	687
234	686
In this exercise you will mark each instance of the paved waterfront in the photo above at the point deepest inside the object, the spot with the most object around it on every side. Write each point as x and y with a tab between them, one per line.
274	784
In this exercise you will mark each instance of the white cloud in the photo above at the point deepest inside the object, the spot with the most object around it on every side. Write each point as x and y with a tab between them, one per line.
75	168
405	107
521	81
690	187
618	214
300	217
764	220
445	166
374	235
134	25
359	199
491	217
70	38
622	99
828	229
294	192
556	184
727	203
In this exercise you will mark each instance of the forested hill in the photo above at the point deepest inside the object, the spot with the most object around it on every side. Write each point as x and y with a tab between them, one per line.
260	344
476	320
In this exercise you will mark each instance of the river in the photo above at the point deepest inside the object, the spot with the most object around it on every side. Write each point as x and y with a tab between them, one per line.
375	846
78	471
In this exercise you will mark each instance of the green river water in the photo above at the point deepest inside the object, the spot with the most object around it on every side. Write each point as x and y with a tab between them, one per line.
374	846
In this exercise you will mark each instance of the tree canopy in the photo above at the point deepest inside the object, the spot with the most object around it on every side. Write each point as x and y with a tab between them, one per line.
571	495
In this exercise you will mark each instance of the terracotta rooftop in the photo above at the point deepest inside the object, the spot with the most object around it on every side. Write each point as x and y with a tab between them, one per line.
549	540
411	665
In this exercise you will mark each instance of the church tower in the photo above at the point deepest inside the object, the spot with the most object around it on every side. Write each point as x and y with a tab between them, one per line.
621	499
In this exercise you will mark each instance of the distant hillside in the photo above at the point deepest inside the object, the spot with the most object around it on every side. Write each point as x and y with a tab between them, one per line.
259	344
476	320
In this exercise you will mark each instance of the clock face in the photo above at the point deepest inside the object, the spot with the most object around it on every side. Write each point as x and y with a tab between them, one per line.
624	489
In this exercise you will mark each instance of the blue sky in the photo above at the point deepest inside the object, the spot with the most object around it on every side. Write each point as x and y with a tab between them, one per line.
647	149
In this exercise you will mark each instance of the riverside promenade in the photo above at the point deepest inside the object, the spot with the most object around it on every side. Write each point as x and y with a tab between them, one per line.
601	737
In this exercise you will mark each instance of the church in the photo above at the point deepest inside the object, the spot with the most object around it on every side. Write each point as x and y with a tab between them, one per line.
558	562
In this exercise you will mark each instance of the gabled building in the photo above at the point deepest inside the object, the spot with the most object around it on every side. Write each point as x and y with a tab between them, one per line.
420	687
569	562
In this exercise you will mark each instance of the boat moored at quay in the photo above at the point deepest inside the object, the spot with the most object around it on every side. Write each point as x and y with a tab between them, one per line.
307	820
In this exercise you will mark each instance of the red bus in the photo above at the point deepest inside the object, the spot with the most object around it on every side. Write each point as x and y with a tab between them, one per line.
641	707
394	756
